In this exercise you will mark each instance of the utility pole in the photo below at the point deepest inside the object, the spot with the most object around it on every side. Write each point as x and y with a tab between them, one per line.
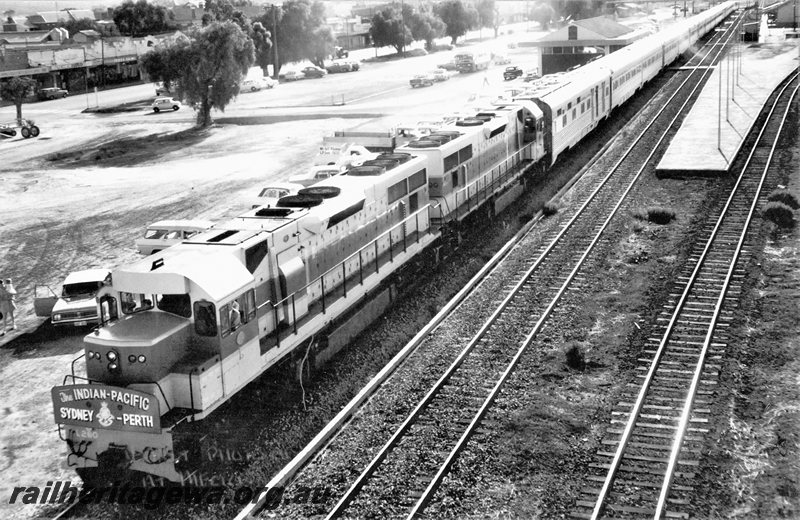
403	27
274	43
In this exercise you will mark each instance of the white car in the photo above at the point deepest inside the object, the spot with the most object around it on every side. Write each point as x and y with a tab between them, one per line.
164	233
166	103
316	174
254	84
270	195
440	74
292	75
77	304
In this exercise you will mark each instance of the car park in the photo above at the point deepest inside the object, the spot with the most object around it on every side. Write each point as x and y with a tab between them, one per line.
440	74
52	93
292	75
422	80
512	73
164	233
165	103
312	71
270	195
77	304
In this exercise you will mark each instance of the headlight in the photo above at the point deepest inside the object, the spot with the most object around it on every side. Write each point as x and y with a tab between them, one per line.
112	366
56	317
111	355
131	359
142	359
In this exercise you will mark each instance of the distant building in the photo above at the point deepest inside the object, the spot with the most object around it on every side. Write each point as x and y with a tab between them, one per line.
12	24
49	19
351	33
582	41
25	39
187	15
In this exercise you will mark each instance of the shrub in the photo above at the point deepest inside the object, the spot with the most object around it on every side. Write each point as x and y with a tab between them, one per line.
780	214
575	357
660	215
784	197
550	208
640	214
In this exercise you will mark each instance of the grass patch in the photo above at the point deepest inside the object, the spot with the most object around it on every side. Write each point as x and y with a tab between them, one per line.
656	215
549	208
129	151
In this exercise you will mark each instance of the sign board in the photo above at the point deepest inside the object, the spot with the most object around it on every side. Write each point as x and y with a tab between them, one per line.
106	408
152	454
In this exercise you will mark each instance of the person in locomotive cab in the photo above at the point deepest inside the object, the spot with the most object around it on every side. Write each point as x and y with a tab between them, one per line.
236	317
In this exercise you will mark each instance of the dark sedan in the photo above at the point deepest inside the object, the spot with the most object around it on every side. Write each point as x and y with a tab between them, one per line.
512	73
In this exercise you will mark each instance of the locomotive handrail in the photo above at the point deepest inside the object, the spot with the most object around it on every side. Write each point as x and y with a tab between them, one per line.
342	266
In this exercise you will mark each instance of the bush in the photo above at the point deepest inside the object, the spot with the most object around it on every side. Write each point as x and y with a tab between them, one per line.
550	208
780	214
575	357
660	215
640	214
784	197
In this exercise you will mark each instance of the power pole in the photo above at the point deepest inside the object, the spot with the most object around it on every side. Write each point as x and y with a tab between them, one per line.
274	44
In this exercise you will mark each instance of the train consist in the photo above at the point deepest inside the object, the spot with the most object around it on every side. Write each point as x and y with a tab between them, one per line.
184	329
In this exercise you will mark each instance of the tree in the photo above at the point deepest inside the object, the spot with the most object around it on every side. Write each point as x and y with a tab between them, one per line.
321	45
140	18
427	27
225	10
543	14
298	27
16	90
456	18
262	41
388	29
205	70
486	13
81	24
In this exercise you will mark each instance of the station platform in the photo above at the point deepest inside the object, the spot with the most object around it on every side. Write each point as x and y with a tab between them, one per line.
714	130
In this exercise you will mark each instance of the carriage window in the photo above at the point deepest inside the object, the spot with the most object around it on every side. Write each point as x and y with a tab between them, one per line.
397	191
451	161
132	303
250	305
225	319
179	304
417	180
205	319
108	308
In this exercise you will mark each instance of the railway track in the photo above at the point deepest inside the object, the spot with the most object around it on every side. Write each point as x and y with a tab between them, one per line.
656	438
406	449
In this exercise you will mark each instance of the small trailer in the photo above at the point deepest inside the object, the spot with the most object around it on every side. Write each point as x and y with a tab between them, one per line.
26	127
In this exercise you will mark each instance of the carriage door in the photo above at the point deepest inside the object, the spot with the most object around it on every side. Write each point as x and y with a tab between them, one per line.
596	102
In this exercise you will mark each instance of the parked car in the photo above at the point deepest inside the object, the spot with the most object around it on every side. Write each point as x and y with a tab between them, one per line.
512	73
254	84
164	233
531	75
165	103
354	64
339	66
312	71
77	304
292	75
316	174
440	75
422	80
501	59
447	65
52	93
162	91
269	196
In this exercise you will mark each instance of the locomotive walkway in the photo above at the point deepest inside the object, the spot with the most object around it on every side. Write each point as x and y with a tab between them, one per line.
714	131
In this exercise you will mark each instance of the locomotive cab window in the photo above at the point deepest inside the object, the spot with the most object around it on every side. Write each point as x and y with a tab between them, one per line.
179	304
132	303
205	319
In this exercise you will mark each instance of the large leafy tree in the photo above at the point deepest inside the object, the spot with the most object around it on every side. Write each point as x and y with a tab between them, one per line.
426	26
205	70
16	90
388	28
543	14
140	18
299	24
456	17
262	41
486	13
321	45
